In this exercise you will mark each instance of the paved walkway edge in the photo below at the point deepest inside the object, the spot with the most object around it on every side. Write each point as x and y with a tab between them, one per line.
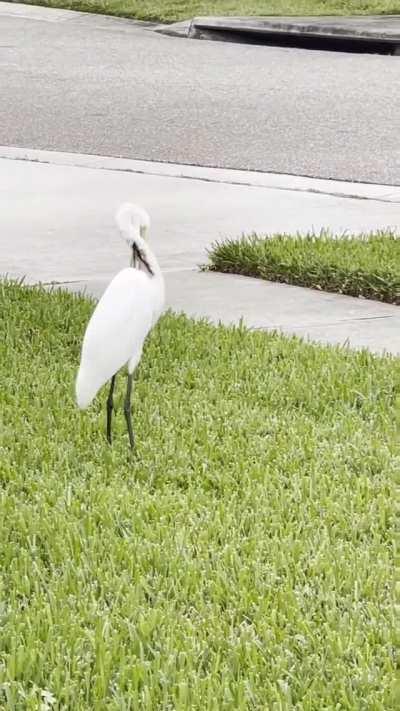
314	316
277	181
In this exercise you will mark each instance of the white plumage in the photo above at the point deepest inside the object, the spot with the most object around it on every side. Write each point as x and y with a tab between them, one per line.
129	307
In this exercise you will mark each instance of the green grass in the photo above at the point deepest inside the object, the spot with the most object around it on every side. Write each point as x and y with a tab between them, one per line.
242	559
358	265
173	10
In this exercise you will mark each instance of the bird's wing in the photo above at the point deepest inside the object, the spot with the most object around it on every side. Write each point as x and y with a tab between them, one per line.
115	332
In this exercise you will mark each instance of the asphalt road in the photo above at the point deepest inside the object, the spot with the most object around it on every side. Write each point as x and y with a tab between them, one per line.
89	84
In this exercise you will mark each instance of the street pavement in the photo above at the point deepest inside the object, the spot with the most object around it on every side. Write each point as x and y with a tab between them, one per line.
91	84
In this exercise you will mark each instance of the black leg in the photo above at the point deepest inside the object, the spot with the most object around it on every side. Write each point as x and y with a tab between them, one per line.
110	407
127	411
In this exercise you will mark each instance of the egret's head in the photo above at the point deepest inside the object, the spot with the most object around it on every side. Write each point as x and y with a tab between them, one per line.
133	223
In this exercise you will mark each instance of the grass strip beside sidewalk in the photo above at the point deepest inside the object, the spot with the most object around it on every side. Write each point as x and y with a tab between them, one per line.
358	265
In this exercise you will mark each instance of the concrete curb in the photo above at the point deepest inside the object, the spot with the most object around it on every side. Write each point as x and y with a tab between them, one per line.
373	29
277	181
381	29
177	29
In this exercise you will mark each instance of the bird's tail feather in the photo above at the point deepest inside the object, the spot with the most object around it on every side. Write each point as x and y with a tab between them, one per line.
85	389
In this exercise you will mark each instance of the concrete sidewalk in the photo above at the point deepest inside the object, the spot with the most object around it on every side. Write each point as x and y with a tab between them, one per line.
57	225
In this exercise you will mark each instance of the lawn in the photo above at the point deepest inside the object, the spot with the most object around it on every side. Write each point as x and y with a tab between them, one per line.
173	10
365	265
241	559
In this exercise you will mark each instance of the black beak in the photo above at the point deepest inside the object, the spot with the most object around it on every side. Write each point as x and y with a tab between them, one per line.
135	255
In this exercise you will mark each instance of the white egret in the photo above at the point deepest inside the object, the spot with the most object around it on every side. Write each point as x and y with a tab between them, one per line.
128	309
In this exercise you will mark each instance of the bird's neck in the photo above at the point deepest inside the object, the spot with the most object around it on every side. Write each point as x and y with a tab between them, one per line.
150	257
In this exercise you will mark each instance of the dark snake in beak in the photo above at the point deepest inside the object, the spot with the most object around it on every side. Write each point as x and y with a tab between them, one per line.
138	256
